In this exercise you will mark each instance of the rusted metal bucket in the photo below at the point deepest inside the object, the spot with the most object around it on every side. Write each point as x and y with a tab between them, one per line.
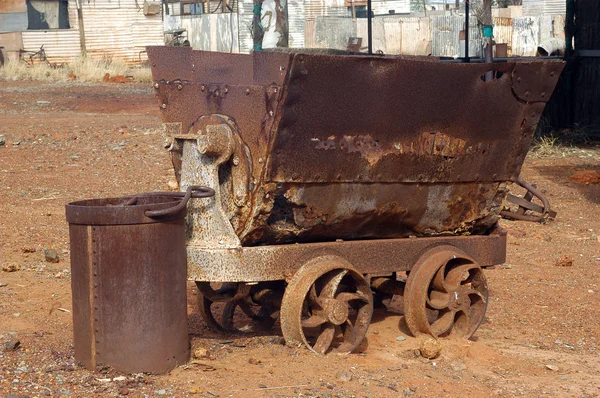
128	263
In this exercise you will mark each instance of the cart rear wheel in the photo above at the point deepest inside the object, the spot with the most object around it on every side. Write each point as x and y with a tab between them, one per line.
328	306
232	307
446	294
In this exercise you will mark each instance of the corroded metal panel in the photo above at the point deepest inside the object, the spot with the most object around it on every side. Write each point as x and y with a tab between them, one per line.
362	119
354	147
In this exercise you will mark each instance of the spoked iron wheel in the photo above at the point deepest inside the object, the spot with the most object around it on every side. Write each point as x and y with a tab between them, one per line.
328	306
446	294
230	307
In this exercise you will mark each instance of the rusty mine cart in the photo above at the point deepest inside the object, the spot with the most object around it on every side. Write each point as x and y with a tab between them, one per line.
342	180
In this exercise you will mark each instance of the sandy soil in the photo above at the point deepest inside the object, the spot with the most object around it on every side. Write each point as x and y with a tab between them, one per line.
541	335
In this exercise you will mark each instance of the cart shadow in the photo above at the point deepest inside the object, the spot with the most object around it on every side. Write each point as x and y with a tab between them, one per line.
562	175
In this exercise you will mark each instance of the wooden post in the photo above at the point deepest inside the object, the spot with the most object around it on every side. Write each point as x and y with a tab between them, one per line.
81	27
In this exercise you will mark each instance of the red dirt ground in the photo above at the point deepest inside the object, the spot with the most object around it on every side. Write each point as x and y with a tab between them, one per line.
541	335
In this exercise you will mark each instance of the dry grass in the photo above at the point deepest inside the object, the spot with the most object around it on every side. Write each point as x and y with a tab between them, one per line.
89	70
552	146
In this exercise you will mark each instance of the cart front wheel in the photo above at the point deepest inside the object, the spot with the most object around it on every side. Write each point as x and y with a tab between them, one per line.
446	294
327	306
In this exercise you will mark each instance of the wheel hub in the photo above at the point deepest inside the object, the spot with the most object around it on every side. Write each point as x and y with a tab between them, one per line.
337	312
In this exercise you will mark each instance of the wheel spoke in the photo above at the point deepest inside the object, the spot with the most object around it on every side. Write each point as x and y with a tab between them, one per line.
313	321
312	294
245	307
345	296
438	300
438	279
332	282
443	323
462	323
325	339
349	332
457	275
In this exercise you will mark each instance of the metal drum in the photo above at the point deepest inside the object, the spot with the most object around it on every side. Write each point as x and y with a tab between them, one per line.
128	264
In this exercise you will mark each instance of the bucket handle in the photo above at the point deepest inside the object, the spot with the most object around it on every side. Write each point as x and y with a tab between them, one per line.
194	191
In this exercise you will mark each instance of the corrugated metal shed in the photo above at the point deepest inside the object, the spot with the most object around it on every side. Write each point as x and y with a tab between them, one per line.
115	29
535	8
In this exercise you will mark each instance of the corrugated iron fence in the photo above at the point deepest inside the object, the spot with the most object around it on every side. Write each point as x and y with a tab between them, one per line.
437	35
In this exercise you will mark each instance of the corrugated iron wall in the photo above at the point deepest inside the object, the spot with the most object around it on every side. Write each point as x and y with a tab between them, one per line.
115	29
410	36
536	8
208	32
526	35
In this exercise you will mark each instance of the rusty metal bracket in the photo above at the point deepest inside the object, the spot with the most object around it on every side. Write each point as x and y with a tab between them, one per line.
526	205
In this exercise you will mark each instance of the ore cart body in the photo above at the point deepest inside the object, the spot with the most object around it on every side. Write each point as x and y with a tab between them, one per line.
342	180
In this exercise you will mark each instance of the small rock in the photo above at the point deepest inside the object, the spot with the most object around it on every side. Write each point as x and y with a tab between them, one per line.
2	284
553	368
16	143
344	376
2	140
160	392
43	102
202	353
400	338
590	291
196	390
51	256
10	268
430	348
253	361
12	345
564	261
28	249
124	391
458	367
173	185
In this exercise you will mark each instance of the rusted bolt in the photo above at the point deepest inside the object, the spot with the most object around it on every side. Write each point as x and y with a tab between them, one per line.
202	88
179	87
236	161
156	85
247	91
164	106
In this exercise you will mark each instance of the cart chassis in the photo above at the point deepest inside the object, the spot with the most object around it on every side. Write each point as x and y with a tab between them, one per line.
370	257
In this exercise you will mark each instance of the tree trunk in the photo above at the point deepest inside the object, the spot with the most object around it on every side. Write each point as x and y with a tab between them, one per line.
257	29
489	49
282	26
